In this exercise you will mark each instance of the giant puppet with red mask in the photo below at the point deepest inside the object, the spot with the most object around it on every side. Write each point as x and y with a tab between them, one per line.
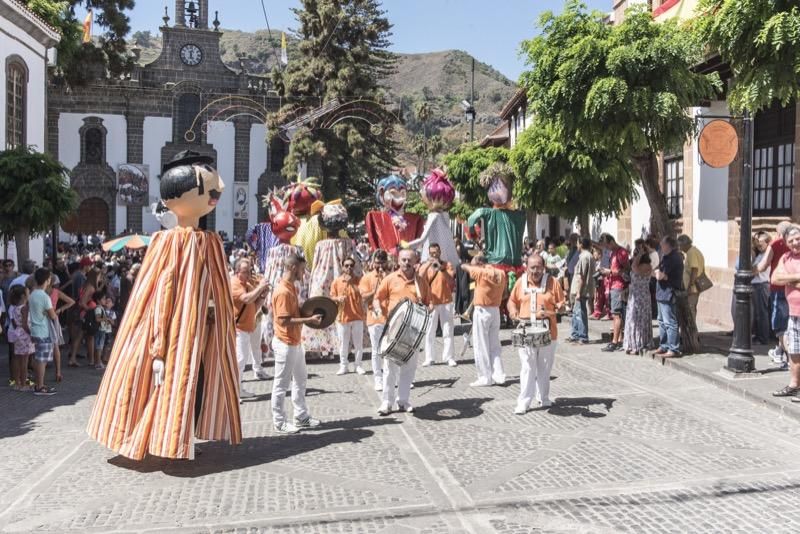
304	199
501	226
172	375
388	227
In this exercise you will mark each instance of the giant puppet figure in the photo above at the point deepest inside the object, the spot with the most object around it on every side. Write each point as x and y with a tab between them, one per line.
284	225
172	375
438	194
388	227
502	226
304	199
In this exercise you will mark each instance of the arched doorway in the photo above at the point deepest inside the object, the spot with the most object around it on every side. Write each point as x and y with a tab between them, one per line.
91	217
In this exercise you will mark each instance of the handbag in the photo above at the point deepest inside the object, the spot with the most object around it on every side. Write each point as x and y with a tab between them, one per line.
703	283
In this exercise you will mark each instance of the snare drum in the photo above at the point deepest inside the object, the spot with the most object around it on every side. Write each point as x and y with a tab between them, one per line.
405	328
537	335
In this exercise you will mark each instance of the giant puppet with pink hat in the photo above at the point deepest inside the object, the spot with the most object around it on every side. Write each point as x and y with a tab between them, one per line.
438	194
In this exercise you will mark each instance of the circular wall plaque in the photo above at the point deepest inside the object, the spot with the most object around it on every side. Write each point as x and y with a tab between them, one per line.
719	143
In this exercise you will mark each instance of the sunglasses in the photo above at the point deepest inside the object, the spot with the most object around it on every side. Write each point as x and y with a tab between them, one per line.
349	264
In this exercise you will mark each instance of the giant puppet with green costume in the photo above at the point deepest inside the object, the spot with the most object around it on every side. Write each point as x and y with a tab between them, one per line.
501	226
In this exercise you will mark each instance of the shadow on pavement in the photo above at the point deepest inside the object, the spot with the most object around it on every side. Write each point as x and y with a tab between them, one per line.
220	457
581	406
437	383
451	409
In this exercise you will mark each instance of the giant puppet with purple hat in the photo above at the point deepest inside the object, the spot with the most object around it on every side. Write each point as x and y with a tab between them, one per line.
388	227
438	194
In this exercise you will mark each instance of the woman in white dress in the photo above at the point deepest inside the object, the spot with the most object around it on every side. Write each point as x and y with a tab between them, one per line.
438	194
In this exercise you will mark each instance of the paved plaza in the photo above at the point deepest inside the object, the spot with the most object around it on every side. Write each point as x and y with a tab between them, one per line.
629	446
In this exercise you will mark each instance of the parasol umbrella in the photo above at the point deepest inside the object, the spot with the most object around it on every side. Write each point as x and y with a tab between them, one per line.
126	241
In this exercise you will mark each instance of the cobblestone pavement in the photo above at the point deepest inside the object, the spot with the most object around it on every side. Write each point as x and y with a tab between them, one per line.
629	446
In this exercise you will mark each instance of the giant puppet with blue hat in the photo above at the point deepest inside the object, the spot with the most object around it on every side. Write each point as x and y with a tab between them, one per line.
172	374
391	225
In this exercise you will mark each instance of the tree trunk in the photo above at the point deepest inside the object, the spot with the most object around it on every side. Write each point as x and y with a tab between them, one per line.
22	238
530	221
583	222
660	223
687	325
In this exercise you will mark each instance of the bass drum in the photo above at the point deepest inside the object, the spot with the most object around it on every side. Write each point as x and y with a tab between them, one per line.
405	328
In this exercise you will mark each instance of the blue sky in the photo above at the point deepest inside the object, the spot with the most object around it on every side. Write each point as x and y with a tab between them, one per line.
419	25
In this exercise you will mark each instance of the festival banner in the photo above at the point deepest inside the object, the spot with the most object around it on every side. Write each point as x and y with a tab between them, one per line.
240	194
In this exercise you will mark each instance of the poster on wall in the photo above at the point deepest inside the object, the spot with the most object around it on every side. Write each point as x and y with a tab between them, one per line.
133	184
240	192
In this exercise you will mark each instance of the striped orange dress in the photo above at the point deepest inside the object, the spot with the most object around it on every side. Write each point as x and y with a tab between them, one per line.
166	318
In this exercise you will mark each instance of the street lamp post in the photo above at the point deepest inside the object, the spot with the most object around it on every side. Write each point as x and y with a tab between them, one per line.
740	357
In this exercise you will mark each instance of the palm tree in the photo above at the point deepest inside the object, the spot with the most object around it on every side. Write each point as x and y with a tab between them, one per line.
435	147
424	114
420	148
35	195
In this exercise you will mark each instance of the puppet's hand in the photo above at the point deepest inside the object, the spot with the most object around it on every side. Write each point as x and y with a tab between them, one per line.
158	372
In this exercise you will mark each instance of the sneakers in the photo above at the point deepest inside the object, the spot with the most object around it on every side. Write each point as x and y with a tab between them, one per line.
384	410
452	363
342	370
286	428
777	356
480	383
261	373
378	384
308	422
545	403
612	347
405	407
244	394
360	370
520	410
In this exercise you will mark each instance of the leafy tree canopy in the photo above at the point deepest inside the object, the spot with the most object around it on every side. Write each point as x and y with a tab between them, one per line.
79	63
759	40
342	54
465	166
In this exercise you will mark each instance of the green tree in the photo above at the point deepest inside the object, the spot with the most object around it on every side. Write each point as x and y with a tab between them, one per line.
79	63
620	94
424	112
342	54
420	149
435	147
758	39
465	166
35	195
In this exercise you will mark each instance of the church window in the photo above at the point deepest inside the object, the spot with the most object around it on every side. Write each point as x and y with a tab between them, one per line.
16	86
188	130
93	144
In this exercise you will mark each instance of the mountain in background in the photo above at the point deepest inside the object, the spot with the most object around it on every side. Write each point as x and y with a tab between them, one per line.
440	78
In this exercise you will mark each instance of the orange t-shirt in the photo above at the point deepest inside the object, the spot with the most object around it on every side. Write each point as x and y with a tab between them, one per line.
490	283
245	312
352	309
284	304
552	299
396	287
441	284
369	284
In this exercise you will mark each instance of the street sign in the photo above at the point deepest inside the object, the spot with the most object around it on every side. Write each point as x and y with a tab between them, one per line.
719	143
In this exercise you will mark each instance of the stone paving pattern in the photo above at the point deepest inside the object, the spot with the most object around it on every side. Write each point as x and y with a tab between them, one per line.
628	446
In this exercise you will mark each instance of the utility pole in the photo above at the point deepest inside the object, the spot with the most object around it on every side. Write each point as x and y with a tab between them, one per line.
472	104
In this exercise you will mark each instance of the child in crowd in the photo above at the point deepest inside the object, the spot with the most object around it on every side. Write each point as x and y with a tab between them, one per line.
106	319
19	334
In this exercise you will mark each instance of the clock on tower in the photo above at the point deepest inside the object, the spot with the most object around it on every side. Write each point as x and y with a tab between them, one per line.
191	54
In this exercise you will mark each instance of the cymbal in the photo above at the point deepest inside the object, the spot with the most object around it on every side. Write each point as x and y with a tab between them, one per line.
323	306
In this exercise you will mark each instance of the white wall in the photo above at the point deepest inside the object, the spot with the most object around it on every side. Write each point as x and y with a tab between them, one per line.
640	216
599	225
710	196
258	163
15	41
157	132
222	136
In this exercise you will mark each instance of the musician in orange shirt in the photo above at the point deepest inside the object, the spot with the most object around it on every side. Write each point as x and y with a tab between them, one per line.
375	319
540	295
404	283
290	358
350	322
490	286
440	276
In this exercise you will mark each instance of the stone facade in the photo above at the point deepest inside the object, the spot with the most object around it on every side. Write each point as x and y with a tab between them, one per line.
185	99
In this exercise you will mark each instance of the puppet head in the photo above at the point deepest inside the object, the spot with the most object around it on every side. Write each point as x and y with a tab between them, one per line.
333	216
391	193
498	179
300	195
437	192
190	185
284	223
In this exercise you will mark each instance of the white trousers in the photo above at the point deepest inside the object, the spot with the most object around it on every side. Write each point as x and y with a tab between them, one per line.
534	375
486	344
375	332
352	332
443	313
248	349
290	368
401	376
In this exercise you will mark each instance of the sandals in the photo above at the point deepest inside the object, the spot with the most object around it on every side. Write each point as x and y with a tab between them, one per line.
787	391
44	391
